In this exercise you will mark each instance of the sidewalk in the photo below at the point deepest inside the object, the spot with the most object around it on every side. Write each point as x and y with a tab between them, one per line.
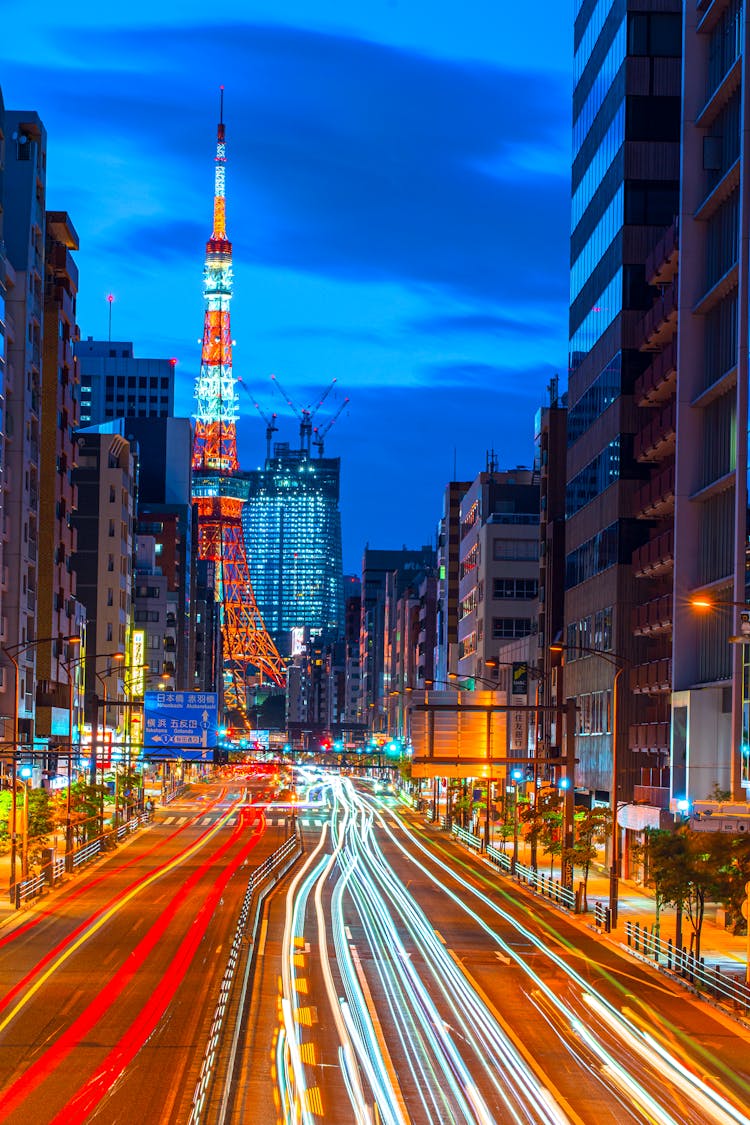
637	904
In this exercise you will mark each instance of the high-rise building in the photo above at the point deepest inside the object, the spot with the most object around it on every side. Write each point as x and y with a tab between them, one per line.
448	539
385	577
292	526
550	436
625	179
23	229
164	511
115	384
6	678
105	478
710	721
59	614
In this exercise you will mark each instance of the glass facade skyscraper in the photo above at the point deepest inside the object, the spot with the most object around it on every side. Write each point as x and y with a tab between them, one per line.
292	526
625	191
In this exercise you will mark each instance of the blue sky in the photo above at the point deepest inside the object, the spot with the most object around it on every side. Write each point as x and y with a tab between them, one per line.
398	198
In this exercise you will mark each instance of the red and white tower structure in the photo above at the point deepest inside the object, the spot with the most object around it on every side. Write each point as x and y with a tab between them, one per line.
249	654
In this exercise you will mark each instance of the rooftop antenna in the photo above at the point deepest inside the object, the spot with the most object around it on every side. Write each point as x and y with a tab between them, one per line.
110	299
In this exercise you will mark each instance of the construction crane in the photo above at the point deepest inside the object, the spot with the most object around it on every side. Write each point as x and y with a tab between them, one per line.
320	434
271	427
305	414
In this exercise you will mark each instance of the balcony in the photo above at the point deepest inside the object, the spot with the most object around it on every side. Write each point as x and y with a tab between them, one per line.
656	557
653	617
651	678
656	440
655	498
659	324
649	736
661	264
659	381
655	795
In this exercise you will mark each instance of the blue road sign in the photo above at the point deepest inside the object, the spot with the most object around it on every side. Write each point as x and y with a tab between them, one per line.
180	722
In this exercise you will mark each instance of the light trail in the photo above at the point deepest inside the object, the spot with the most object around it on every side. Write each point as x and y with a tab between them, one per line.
442	1034
53	960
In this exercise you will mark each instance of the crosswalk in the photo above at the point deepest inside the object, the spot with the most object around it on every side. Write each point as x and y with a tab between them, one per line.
278	822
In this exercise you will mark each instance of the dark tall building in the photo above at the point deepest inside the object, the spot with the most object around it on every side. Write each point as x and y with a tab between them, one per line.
115	384
164	513
292	527
625	185
385	575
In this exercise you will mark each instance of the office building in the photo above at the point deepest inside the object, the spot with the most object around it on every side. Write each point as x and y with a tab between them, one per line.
292	527
625	180
116	384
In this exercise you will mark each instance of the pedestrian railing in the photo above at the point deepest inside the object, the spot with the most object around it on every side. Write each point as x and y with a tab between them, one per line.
132	824
602	917
87	852
261	881
467	838
53	871
543	884
28	888
683	963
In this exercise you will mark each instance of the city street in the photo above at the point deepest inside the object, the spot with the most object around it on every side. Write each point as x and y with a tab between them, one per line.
400	980
108	987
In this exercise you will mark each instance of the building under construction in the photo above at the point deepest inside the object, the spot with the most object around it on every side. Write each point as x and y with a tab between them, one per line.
292	526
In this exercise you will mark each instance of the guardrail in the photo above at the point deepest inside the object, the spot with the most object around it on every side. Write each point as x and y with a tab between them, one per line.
258	887
28	888
683	963
53	872
543	884
467	838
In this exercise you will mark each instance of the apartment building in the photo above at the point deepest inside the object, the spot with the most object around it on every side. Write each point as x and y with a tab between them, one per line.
498	566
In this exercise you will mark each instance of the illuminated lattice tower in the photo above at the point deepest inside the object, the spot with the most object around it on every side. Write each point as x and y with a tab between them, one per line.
218	492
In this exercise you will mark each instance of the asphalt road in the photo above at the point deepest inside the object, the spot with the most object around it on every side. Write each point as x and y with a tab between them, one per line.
108	989
401	980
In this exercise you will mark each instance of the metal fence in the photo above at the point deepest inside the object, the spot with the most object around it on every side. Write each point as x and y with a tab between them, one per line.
683	963
258	886
467	838
52	873
543	884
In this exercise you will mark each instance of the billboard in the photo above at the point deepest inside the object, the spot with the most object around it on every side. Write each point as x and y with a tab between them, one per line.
180	724
458	739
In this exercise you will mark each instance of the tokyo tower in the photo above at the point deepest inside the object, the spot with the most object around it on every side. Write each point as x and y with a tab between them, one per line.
218	490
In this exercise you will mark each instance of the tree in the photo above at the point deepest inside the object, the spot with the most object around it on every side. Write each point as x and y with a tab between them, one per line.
591	827
41	823
550	811
689	869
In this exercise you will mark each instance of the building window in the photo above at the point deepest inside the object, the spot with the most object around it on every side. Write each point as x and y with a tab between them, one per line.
505	627
515	550
514	589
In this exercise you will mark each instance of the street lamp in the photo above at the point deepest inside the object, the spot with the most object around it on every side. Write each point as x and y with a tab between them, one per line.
618	662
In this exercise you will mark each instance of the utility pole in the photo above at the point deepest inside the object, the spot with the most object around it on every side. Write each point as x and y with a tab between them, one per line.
569	793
